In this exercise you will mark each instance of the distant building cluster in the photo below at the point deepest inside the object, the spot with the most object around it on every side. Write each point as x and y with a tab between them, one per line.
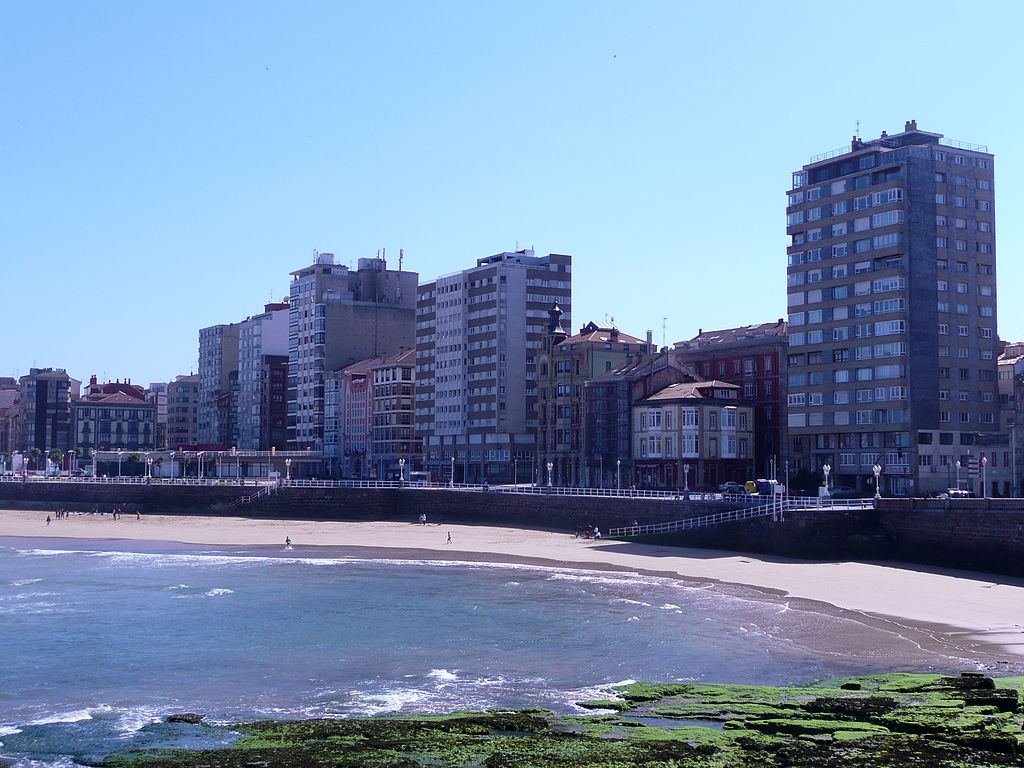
888	369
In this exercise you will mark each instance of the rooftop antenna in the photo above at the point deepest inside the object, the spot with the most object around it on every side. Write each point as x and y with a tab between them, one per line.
401	255
858	129
664	331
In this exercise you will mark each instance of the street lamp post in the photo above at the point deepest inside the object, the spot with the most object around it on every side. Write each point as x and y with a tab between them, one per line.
984	477
173	454
787	477
826	468
288	470
686	478
618	475
238	466
600	479
958	474
515	474
401	473
94	463
451	479
149	466
119	463
550	467
877	469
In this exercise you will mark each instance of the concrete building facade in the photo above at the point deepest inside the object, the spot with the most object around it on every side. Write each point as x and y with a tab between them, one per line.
218	366
478	333
262	343
693	435
337	317
45	410
755	358
565	364
892	310
183	411
609	402
394	437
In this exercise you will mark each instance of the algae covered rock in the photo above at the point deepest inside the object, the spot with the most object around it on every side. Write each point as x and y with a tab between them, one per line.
877	720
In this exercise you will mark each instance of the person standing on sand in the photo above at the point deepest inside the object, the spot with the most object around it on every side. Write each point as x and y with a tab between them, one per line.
137	515
48	522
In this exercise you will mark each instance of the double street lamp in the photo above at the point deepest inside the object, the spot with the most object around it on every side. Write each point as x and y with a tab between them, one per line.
877	469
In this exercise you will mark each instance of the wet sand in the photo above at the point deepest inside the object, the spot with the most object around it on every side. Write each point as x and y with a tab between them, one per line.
948	609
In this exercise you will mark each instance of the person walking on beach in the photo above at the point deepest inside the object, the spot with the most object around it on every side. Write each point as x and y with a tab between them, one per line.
137	515
287	542
48	522
449	534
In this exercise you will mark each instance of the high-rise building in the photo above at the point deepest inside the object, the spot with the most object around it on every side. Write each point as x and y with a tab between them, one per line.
337	317
218	367
45	410
892	310
183	411
395	450
156	393
260	337
478	333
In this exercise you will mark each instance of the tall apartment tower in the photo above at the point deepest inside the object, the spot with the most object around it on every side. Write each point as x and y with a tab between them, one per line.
218	361
892	310
478	333
337	317
262	342
183	411
45	410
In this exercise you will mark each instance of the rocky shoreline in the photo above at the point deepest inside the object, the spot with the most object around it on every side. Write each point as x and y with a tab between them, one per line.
880	720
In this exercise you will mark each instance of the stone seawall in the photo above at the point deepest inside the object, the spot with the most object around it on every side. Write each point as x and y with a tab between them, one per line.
982	534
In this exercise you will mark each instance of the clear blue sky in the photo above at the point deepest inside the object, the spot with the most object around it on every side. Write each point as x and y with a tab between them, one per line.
166	165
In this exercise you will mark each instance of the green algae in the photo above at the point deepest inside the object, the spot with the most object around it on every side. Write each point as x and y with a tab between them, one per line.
878	720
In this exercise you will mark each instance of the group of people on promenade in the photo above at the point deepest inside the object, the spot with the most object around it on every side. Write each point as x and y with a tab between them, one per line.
586	532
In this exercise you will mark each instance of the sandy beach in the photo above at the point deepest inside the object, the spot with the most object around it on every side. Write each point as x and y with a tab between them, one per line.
952	608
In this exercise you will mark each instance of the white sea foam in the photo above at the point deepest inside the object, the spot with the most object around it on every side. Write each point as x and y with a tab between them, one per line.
387	701
633	618
443	674
631	602
9	730
218	591
74	716
670	607
177	586
24	582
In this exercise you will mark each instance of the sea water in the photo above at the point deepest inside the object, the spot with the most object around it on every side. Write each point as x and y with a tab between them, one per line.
102	640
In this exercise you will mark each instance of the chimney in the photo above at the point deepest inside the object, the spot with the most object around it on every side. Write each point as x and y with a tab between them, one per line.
911	125
884	134
650	340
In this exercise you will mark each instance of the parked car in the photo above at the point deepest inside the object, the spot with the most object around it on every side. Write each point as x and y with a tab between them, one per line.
957	493
733	489
844	492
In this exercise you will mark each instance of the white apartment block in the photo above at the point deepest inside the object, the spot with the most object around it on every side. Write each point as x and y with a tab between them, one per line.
478	333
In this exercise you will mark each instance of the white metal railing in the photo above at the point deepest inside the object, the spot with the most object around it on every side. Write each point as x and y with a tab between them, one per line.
775	508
